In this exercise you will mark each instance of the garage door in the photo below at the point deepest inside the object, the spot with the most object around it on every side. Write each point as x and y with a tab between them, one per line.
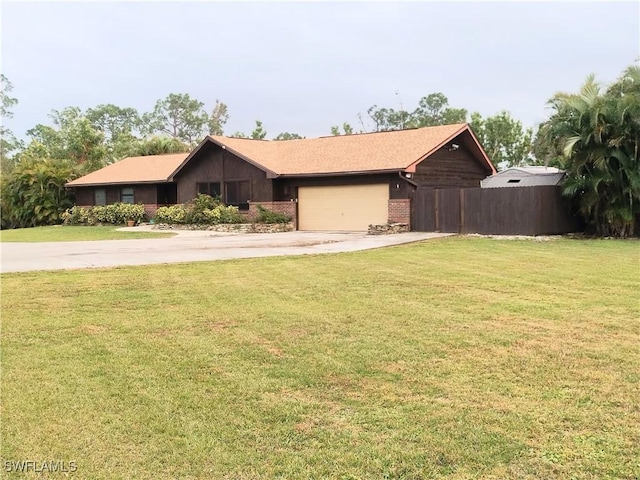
346	208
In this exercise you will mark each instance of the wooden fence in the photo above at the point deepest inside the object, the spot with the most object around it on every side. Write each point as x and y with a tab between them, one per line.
539	210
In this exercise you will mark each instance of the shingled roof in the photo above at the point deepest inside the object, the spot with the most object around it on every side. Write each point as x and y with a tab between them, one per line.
399	150
348	154
147	169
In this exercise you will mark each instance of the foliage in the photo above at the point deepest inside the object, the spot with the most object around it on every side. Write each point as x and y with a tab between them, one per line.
8	142
503	138
174	214
114	214
33	193
78	216
205	210
258	133
595	137
119	213
218	118
346	128
178	116
115	123
72	138
432	110
288	136
161	145
268	216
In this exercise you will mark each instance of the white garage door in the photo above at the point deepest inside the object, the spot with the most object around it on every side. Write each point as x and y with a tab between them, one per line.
345	208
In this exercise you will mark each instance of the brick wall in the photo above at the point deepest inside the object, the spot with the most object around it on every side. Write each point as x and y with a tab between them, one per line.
288	208
400	210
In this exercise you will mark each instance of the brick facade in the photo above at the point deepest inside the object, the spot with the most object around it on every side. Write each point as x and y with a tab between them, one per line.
400	210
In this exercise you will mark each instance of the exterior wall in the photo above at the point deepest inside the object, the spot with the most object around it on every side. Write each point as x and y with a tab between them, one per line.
141	194
213	164
400	211
84	196
456	168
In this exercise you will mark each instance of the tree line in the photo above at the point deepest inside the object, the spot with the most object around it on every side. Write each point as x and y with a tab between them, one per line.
592	134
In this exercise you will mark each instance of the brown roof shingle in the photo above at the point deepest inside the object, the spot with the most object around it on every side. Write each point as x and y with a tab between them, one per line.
347	154
148	169
394	150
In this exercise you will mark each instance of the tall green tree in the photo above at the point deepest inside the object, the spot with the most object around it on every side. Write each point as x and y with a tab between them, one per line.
504	139
178	116
72	137
8	142
595	136
259	133
288	136
431	110
218	118
434	110
347	129
119	127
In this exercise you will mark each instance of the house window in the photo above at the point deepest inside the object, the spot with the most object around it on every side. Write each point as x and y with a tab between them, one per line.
99	196
212	189
238	194
126	195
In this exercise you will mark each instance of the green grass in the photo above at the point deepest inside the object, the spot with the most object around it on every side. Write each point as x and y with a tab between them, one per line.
73	233
455	358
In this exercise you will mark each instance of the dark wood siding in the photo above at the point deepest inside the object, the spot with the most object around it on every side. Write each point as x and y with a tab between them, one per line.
455	168
285	188
213	164
142	194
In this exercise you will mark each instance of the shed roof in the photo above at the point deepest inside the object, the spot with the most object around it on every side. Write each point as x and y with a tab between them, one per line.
524	177
147	169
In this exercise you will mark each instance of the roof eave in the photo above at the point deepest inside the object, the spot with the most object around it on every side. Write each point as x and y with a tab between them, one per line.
338	174
106	184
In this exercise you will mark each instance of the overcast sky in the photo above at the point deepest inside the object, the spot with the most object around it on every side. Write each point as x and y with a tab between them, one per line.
303	67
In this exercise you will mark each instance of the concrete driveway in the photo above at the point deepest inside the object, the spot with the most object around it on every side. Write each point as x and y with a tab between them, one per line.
189	246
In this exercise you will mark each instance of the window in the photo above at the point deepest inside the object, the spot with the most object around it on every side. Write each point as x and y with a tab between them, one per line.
514	180
212	189
238	194
126	195
99	196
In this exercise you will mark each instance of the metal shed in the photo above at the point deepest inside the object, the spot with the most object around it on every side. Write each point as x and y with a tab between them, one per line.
524	177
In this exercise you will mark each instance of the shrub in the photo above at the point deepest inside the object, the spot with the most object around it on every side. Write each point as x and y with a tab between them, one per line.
229	214
173	214
130	211
268	216
180	214
76	216
118	213
196	213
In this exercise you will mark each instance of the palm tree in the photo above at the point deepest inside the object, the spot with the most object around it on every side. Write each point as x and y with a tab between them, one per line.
596	137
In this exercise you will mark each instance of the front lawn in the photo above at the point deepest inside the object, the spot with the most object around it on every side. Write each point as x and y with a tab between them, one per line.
59	233
453	358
